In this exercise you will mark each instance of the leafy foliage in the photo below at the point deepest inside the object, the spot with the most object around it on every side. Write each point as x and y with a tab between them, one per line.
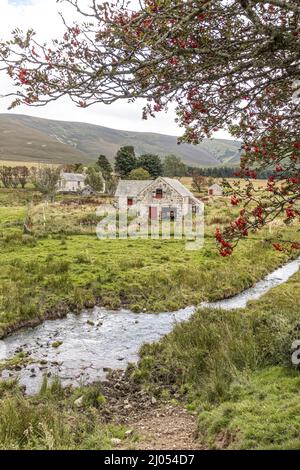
173	166
151	163
125	160
45	180
94	179
12	177
139	174
105	166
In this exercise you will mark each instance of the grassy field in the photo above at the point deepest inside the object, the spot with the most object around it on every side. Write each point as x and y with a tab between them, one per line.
257	183
233	368
62	265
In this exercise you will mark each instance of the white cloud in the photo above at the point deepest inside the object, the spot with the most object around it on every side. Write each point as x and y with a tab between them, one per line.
42	16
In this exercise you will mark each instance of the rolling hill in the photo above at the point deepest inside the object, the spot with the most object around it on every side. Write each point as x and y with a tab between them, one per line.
26	138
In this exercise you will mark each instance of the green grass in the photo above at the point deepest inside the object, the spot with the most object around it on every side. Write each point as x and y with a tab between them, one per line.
63	266
263	412
234	369
51	420
18	197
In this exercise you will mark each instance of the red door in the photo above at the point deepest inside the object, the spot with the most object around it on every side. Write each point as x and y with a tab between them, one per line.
211	192
153	213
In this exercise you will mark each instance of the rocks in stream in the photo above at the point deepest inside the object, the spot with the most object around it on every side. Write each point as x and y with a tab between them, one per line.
56	344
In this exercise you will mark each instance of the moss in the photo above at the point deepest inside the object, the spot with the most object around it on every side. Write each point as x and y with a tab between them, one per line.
56	344
18	360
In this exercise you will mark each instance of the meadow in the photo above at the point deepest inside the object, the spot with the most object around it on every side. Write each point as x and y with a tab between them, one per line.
231	368
61	265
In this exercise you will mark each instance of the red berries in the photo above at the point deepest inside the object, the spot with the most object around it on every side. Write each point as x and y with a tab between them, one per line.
225	252
295	246
234	201
173	61
218	235
278	247
23	74
226	247
290	213
157	107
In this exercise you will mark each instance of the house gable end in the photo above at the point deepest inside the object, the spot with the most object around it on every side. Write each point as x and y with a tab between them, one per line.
159	183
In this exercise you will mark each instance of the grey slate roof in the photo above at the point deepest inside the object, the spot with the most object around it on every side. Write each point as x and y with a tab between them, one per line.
182	190
131	188
72	177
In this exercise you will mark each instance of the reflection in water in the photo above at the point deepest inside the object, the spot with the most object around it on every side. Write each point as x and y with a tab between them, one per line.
96	340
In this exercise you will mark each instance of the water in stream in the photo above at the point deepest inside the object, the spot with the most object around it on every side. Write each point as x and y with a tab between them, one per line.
95	340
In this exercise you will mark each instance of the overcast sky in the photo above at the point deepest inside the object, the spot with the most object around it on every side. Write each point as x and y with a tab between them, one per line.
42	16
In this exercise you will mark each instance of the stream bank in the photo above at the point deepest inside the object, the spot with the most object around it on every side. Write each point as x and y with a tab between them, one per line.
81	349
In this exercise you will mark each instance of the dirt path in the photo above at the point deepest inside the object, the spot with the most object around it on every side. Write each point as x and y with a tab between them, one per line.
166	428
158	425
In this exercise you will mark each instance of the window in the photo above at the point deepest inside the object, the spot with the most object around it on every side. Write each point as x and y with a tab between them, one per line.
159	193
129	201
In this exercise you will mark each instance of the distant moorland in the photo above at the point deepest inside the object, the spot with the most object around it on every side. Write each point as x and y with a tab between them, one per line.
29	139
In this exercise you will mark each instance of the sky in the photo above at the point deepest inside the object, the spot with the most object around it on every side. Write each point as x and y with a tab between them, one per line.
42	16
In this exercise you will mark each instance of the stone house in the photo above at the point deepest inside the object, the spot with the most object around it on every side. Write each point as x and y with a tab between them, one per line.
71	183
75	183
215	190
162	198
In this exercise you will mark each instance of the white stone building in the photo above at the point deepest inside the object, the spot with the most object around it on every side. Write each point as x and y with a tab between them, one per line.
71	183
215	190
162	198
75	183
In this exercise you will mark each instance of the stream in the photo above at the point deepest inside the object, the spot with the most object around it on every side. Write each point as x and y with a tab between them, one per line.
79	349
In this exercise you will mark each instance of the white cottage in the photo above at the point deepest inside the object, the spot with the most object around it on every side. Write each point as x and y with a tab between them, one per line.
215	190
162	198
71	182
75	183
